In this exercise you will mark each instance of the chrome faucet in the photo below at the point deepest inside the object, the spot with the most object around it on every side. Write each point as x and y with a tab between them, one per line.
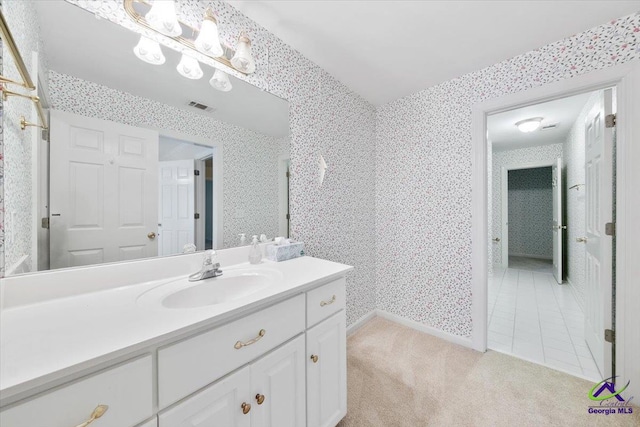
208	270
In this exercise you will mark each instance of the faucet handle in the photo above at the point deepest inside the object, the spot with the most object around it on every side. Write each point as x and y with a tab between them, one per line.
208	257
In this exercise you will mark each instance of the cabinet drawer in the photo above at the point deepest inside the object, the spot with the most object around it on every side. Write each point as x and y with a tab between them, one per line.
192	364
324	301
126	389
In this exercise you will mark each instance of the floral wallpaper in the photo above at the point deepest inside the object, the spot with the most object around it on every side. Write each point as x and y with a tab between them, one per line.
543	153
423	173
530	213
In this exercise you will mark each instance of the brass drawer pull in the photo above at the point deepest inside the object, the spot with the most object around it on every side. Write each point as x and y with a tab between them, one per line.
260	398
314	358
241	344
331	301
97	413
246	407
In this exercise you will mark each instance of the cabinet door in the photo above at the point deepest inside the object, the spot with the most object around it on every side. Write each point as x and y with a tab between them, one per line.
222	404
327	372
278	387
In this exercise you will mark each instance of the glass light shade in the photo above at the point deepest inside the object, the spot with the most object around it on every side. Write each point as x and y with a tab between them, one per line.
189	67
149	51
529	125
220	81
162	17
208	41
242	60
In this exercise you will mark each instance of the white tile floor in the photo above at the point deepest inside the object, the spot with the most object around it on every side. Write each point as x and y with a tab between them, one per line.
533	317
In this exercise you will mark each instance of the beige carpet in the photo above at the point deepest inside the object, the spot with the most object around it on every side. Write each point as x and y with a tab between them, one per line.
401	377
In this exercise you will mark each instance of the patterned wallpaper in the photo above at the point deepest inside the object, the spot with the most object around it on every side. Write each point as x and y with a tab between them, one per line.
520	156
250	174
530	213
574	162
423	209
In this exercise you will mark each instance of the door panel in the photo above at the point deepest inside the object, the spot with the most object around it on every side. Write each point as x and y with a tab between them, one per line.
103	191
177	206
558	227
327	375
280	378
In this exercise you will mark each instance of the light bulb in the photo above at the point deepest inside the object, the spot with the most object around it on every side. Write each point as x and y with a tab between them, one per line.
529	125
220	81
162	17
149	51
242	60
189	67
208	41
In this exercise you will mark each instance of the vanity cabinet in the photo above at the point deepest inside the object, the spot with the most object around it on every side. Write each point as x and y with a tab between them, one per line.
327	372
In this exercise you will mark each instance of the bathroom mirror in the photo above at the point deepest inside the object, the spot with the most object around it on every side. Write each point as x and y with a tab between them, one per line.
138	161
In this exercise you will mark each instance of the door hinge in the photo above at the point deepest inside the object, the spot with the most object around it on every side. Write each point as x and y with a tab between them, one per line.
288	216
610	121
288	174
45	135
196	172
196	216
45	223
609	336
610	229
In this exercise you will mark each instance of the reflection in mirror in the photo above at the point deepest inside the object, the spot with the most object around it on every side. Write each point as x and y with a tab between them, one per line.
139	161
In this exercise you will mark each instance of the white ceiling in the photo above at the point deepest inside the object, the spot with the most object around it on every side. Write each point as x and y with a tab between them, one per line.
504	135
78	44
175	149
385	50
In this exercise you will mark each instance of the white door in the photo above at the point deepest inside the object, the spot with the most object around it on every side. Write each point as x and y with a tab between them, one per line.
176	223
327	372
278	387
103	191
598	186
222	404
558	227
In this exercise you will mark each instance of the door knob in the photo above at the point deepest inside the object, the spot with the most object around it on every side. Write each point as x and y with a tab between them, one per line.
561	227
151	235
497	239
581	240
314	358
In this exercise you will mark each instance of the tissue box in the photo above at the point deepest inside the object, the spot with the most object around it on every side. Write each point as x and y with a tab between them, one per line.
285	252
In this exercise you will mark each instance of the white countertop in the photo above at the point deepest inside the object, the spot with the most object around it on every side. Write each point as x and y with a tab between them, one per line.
46	341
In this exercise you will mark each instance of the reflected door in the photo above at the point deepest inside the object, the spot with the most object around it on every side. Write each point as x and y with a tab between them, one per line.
103	191
598	187
176	221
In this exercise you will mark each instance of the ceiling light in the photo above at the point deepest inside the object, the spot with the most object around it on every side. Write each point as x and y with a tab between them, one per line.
189	67
220	81
149	51
242	60
162	17
529	125
208	41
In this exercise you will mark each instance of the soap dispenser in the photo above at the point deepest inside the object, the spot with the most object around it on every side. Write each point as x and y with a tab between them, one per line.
255	254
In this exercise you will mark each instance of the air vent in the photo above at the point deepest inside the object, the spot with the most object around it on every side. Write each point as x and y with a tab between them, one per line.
551	126
200	106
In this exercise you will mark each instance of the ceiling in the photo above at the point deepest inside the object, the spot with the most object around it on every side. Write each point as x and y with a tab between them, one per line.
78	44
504	135
175	149
385	50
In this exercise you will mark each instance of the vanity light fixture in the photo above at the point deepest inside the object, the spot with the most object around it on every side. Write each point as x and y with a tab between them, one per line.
242	60
149	51
189	67
162	18
529	125
220	81
208	41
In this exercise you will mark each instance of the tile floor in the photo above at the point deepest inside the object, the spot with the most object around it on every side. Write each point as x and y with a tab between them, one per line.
532	264
533	317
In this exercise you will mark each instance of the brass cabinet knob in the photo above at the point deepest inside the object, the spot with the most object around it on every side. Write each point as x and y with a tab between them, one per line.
314	358
151	235
246	407
260	398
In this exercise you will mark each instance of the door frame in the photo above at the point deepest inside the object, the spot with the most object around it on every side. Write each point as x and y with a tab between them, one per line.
626	79
504	199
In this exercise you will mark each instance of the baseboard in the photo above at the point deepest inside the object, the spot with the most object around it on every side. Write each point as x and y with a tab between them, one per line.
360	322
532	256
465	342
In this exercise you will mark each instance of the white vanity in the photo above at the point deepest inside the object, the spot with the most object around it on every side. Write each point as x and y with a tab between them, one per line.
268	356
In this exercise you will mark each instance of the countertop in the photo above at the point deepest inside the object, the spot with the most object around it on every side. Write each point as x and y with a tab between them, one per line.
46	342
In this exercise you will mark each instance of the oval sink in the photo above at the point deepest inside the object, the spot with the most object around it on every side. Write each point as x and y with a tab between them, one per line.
232	285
